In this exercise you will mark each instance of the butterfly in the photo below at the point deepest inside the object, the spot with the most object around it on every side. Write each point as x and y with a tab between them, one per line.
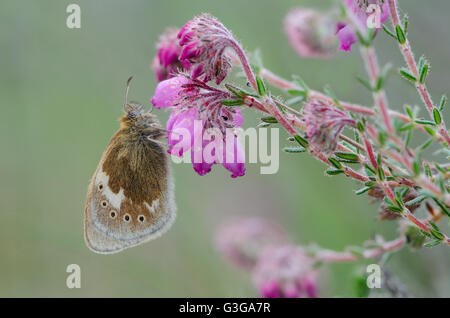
130	198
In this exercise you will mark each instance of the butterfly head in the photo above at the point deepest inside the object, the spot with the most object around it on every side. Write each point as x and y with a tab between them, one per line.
137	121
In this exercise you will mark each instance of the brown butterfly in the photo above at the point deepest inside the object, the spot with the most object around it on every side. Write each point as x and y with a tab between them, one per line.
130	198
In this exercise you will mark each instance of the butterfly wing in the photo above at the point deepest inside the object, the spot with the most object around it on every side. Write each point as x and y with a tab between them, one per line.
130	197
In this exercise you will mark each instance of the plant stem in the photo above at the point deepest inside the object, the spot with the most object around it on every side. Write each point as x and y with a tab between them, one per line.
371	61
343	257
284	84
408	55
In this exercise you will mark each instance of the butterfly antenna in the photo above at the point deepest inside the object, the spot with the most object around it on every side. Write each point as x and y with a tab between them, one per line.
126	92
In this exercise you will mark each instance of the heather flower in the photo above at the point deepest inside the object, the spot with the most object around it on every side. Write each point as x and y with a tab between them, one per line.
198	111
166	63
324	123
311	33
203	41
168	92
242	241
285	271
346	33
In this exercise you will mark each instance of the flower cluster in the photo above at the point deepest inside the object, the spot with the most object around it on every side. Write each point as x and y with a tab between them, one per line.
203	41
166	63
285	271
324	123
358	13
261	247
242	241
310	32
207	127
205	119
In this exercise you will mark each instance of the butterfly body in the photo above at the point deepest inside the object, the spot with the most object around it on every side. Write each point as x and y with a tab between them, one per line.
130	197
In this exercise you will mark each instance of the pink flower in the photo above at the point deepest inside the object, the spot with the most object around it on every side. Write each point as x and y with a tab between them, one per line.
358	10
346	37
203	41
168	92
285	271
166	63
310	32
241	241
324	123
200	122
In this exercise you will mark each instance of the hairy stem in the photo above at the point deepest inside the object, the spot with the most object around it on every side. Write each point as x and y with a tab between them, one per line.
408	55
343	257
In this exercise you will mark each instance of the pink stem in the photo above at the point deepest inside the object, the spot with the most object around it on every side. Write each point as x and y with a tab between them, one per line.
408	55
245	64
282	83
342	257
370	60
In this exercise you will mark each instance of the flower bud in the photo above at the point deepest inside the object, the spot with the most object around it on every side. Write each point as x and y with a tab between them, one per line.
311	33
285	271
324	123
203	41
166	63
242	241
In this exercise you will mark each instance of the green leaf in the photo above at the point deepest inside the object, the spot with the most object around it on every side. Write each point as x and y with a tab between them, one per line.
362	39
381	174
409	112
407	75
438	167
417	167
405	23
429	130
437	116
234	90
269	119
301	83
365	83
443	102
406	127
389	32
443	207
360	126
421	62
335	163
432	243
362	190
426	144
369	169
434	225
347	155
408	137
261	86
416	200
294	149
360	287
297	92
232	102
423	73
263	125
394	208
333	172
302	141
424	122
436	234
400	34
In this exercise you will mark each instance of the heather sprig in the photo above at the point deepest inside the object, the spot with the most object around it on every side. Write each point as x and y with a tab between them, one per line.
370	144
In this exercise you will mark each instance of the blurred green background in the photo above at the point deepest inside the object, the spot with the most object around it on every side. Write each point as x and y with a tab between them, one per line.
61	93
